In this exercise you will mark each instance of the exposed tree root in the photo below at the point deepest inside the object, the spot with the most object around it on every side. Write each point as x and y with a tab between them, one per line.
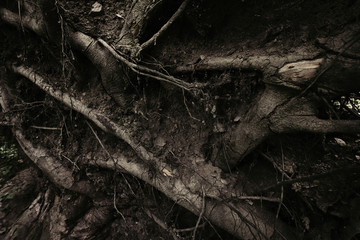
22	184
114	75
28	225
134	25
275	111
212	197
64	210
313	124
94	219
174	182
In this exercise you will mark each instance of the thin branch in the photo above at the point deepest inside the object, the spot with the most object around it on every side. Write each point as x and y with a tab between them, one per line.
72	162
152	40
115	207
161	223
200	215
151	73
275	165
282	187
189	229
259	198
46	128
187	108
109	155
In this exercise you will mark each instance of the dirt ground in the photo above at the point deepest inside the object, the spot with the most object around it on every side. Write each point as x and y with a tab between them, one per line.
167	120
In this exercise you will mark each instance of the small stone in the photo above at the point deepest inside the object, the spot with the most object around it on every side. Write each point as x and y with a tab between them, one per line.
160	142
223	181
121	14
237	118
341	142
96	9
357	157
199	160
219	128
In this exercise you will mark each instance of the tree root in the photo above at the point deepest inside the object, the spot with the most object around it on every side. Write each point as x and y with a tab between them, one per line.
93	220
135	21
114	75
24	183
65	209
179	183
31	219
288	124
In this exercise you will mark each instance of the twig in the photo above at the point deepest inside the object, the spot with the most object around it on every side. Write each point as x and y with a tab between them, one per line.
189	229
148	72
161	223
20	8
152	40
200	215
260	198
187	108
110	156
275	165
282	187
114	202
72	162
46	128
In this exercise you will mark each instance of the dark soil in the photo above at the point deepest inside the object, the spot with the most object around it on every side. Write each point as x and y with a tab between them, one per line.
173	124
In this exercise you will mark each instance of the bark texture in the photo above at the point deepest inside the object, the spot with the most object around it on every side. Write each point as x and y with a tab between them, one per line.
178	121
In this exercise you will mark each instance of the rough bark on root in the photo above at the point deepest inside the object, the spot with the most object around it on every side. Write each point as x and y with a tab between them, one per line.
239	218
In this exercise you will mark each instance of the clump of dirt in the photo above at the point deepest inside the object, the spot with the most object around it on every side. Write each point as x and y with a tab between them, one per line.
107	24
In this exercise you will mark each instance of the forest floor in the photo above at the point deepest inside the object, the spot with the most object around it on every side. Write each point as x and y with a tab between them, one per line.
174	125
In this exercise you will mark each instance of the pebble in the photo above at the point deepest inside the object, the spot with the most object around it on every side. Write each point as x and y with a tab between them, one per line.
341	142
97	9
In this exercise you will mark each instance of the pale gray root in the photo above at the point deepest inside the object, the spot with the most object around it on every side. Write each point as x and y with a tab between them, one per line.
114	75
65	210
134	24
185	187
24	183
29	225
288	124
49	164
275	111
148	72
94	115
88	226
268	63
53	168
57	173
27	21
252	129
